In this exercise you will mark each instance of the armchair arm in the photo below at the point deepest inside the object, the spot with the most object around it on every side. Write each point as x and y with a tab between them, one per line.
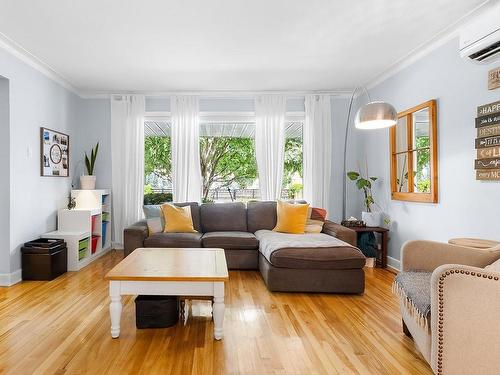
428	255
465	310
342	233
134	236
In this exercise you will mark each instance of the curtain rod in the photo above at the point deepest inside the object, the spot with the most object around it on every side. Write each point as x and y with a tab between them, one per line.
229	93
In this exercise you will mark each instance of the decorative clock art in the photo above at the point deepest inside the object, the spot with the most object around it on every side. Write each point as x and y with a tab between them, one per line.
54	153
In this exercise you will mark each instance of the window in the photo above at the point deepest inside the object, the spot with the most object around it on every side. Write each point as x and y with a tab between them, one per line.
157	162
228	164
292	171
227	158
413	143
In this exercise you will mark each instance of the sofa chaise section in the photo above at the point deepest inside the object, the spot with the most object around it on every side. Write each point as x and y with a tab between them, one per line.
314	262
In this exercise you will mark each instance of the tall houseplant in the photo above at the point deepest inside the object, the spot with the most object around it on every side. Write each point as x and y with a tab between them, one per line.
88	182
364	183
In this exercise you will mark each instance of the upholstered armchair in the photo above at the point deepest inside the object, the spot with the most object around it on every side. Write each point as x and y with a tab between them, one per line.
458	332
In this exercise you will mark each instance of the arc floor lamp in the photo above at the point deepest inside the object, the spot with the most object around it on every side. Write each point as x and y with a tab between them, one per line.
373	115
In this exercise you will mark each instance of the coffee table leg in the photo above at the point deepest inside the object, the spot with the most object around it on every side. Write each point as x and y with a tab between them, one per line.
218	310
115	308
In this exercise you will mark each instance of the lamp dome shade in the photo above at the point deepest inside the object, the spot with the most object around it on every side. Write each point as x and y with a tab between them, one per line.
376	115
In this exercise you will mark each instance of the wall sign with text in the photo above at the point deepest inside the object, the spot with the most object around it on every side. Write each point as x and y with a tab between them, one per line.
487	164
494	79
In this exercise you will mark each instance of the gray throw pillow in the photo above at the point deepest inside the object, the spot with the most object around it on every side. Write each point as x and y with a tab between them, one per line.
152	210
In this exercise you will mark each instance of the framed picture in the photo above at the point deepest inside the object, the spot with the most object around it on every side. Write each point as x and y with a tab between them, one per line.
54	153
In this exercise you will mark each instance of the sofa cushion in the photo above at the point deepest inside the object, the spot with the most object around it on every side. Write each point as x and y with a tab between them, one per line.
310	251
261	215
230	240
173	240
223	217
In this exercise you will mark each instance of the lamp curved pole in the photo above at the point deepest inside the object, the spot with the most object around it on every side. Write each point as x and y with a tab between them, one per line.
346	137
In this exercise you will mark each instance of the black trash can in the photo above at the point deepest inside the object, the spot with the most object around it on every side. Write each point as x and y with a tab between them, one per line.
156	311
44	259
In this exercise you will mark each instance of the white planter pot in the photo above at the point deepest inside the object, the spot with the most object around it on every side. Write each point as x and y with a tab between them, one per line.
371	219
87	182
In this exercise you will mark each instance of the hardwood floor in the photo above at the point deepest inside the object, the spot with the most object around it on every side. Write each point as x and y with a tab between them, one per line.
63	326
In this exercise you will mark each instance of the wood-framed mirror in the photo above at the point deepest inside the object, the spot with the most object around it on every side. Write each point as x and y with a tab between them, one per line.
413	150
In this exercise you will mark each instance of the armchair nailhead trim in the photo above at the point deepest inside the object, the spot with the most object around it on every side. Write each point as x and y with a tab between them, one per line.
441	311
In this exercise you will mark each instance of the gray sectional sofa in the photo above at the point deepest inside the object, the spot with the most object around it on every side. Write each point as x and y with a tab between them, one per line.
326	262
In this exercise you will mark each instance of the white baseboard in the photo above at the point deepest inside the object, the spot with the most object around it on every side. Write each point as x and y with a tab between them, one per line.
393	264
8	279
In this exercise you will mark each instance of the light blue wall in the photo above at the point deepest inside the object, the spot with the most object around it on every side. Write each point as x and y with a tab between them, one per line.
35	101
340	108
93	125
221	104
466	208
5	180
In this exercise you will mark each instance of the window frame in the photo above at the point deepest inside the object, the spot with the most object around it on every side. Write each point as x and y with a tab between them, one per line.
411	195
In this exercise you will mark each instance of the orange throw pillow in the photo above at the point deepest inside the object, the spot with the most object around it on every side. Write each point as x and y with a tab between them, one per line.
291	217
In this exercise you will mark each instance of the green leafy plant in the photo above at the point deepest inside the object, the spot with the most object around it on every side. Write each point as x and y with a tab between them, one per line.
90	163
157	198
365	184
294	190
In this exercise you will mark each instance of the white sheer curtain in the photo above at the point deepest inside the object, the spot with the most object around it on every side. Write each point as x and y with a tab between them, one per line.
270	113
186	170
127	161
317	149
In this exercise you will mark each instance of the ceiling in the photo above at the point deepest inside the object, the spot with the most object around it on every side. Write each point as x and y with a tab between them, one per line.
158	45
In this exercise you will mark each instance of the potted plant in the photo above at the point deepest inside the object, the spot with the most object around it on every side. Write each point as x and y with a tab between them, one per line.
364	183
88	182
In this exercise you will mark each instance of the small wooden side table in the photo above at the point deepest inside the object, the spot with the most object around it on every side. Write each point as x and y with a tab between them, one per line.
473	242
384	234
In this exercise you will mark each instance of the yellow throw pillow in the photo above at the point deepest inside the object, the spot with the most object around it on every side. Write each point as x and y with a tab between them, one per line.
177	219
291	217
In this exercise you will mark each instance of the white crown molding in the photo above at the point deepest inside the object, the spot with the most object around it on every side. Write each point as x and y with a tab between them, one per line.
441	38
28	58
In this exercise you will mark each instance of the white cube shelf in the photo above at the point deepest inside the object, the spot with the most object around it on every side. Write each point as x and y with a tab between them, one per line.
91	218
99	202
79	247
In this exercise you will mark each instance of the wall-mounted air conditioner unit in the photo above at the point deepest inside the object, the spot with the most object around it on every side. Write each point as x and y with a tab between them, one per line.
480	38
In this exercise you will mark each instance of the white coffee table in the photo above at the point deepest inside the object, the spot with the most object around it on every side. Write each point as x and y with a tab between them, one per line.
178	272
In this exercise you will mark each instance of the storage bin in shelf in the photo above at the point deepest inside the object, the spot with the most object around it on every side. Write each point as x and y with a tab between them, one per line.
83	248
95	218
95	242
104	233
